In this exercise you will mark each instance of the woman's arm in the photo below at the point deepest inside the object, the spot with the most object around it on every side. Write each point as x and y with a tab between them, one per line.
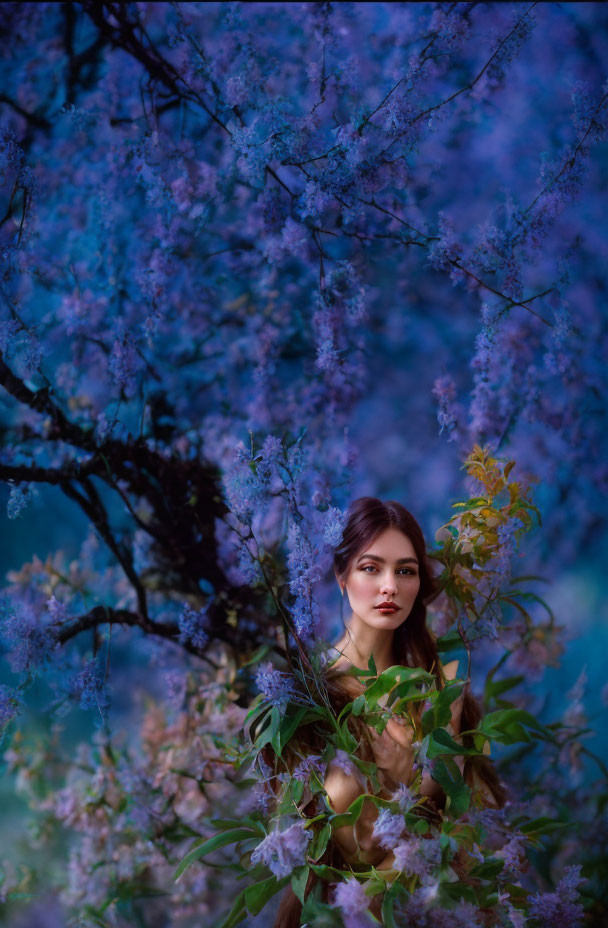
355	842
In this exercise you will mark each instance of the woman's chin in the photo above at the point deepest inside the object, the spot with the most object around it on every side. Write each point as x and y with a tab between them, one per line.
379	620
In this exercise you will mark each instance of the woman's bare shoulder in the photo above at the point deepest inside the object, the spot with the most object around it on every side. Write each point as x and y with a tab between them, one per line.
450	669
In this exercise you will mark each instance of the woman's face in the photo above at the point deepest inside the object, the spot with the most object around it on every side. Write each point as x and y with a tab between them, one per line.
386	570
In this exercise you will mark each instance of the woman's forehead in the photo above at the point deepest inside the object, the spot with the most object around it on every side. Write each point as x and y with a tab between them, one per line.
389	544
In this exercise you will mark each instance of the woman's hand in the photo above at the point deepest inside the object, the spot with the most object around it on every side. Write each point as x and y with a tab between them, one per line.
357	843
393	750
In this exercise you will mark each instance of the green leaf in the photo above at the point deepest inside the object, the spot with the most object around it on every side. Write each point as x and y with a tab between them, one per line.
488	869
299	881
257	655
508	726
358	705
447	774
201	848
440	713
320	842
441	742
388	904
286	728
257	895
449	642
495	688
456	891
391	678
541	826
351	816
237	913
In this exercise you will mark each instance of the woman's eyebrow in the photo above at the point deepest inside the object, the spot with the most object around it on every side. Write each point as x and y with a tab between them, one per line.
401	560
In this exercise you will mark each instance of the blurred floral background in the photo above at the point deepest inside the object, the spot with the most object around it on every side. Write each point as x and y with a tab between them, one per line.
259	260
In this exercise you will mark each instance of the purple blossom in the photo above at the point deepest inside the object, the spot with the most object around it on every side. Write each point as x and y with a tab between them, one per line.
421	761
353	903
344	762
305	614
89	688
328	352
125	362
444	389
57	610
314	199
262	797
309	766
501	563
294	238
516	917
30	642
9	328
193	626
143	545
275	208
388	828
276	687
405	797
452	28
270	459
447	248
19	499
513	853
418	856
560	909
508	48
175	682
283	851
246	488
304	569
334	524
237	90
10	702
558	359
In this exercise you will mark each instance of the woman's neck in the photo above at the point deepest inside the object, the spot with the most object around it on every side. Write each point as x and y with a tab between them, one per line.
360	642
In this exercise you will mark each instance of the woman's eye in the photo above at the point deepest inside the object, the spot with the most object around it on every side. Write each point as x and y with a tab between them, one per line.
406	570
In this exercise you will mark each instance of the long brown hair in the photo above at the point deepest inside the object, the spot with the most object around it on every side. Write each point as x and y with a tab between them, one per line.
413	646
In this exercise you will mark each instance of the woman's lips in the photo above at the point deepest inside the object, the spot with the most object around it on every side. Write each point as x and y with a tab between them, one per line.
387	608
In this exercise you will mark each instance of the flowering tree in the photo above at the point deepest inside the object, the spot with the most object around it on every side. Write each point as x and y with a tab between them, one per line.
217	238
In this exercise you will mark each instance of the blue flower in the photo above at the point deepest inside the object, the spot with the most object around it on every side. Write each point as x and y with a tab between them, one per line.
301	560
283	851
20	497
10	702
311	764
335	522
192	626
353	903
388	828
276	687
560	909
29	641
89	688
305	613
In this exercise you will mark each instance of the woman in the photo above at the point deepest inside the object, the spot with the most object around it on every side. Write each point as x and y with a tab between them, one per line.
382	567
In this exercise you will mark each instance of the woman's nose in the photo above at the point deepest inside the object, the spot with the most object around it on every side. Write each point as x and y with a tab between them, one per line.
388	584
